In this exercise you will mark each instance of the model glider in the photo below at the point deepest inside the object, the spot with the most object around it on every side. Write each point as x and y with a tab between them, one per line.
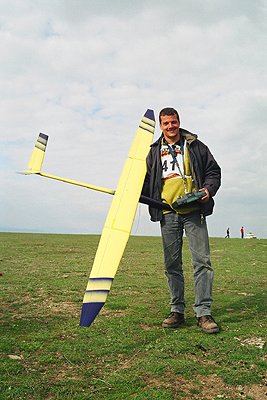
120	218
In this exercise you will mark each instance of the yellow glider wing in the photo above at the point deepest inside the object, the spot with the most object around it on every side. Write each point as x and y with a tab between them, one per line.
119	222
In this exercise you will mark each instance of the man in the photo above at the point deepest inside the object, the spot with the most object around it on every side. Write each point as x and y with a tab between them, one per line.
179	164
242	231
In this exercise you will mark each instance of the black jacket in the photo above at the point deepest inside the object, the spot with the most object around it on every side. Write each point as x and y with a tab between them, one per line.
206	172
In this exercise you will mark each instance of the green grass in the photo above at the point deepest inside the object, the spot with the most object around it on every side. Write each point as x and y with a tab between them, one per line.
126	354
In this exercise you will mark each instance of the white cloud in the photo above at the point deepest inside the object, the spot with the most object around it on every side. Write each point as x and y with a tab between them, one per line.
84	72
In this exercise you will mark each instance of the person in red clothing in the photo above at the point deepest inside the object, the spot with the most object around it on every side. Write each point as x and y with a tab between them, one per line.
242	232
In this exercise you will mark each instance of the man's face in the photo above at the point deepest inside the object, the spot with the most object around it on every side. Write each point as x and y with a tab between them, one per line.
170	125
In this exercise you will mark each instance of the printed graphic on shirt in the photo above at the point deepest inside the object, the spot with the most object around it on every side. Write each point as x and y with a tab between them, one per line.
170	168
176	180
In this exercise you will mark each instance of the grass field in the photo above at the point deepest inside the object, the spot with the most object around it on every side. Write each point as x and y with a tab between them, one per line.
126	354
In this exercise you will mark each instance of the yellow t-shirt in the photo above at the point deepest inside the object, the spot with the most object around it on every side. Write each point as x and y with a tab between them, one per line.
176	179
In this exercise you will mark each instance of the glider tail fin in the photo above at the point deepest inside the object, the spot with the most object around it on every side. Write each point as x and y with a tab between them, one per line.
37	156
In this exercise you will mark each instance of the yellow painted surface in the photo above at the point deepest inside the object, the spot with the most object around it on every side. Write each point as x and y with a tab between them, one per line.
121	214
95	297
73	182
102	284
37	156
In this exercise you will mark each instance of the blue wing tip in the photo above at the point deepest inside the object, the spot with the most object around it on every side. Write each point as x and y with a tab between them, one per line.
150	114
89	313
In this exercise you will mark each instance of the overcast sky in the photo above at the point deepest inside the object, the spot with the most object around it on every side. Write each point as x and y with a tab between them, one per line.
84	73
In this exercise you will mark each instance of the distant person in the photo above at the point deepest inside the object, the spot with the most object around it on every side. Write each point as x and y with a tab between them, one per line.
227	234
177	164
242	232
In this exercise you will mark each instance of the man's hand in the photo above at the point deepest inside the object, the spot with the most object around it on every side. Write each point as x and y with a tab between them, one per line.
206	197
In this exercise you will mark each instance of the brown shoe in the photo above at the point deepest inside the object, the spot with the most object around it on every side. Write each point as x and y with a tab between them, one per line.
173	320
207	324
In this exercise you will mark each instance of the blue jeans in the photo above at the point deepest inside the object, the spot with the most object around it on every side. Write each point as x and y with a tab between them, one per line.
172	228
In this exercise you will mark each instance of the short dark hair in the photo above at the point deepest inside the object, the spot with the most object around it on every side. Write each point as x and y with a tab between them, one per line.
168	111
